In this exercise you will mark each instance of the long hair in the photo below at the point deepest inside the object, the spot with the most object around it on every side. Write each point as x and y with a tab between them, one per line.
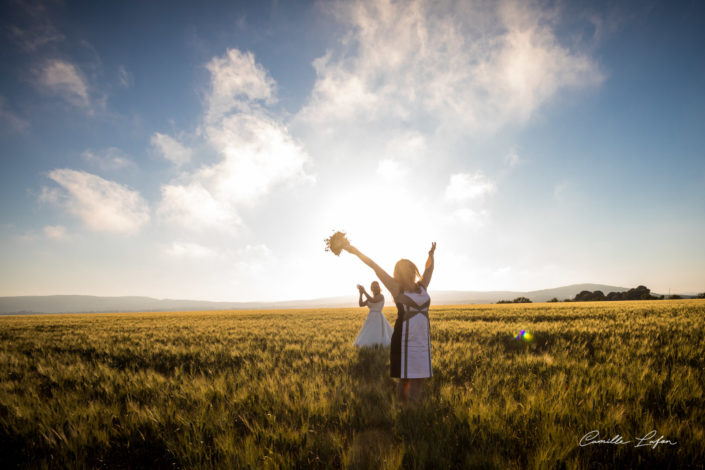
406	273
375	287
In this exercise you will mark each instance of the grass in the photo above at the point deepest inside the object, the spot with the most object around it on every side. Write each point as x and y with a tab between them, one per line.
286	389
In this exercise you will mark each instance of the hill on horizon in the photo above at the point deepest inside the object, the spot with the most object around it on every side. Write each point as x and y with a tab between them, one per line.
97	304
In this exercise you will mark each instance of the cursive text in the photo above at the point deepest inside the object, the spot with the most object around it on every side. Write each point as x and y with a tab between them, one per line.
591	438
650	439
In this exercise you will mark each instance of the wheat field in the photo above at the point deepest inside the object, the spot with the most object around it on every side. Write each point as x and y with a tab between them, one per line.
286	389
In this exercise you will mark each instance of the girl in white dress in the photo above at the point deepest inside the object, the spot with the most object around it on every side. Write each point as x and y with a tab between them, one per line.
376	331
410	352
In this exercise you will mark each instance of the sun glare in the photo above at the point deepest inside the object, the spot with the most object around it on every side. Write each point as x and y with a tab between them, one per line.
384	221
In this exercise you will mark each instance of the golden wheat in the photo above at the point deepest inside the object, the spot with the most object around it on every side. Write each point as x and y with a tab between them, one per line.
286	389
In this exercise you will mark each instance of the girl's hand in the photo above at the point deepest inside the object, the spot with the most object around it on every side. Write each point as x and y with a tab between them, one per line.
360	288
433	249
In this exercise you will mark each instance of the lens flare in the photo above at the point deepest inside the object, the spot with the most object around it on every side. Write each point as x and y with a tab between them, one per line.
525	335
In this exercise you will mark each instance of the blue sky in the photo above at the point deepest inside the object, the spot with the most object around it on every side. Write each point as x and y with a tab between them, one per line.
178	150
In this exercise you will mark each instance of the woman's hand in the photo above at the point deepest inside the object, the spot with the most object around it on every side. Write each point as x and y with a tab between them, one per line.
360	288
432	250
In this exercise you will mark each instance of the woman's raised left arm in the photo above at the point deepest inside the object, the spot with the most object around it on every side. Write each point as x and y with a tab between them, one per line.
428	271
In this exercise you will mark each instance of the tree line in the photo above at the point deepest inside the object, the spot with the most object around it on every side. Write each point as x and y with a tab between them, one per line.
518	300
636	293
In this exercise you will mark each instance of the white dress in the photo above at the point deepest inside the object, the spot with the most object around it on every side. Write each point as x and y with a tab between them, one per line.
411	348
376	331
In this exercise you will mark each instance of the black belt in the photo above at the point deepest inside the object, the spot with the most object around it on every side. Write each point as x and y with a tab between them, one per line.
408	315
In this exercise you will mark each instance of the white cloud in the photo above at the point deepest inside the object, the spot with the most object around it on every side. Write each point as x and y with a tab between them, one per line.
109	159
171	149
463	189
38	29
34	38
413	90
408	145
338	94
64	79
188	250
237	82
253	260
511	159
194	207
474	66
49	195
469	218
391	170
9	120
467	186
27	237
102	205
55	232
124	76
257	152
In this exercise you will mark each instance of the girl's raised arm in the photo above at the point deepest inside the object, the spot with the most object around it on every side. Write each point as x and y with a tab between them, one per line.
386	279
428	272
361	302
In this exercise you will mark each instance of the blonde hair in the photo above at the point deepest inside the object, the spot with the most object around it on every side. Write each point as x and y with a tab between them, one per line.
406	273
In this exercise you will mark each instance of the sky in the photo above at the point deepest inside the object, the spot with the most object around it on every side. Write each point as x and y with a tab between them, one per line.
205	151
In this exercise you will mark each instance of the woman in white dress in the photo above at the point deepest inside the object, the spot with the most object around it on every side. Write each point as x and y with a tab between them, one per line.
410	352
376	331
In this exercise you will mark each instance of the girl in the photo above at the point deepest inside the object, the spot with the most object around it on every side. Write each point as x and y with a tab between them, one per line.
376	331
410	352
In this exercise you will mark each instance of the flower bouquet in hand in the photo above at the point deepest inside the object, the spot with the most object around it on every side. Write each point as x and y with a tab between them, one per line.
336	243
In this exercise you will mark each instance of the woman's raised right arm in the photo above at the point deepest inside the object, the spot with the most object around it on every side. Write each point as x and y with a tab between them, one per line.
428	272
361	302
386	279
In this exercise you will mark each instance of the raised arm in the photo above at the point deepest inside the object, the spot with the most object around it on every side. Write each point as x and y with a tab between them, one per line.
386	279
361	302
428	272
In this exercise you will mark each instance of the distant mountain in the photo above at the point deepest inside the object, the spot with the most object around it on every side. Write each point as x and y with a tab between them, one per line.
89	303
543	295
95	304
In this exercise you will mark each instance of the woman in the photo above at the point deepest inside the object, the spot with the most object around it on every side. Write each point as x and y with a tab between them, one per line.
376	331
410	353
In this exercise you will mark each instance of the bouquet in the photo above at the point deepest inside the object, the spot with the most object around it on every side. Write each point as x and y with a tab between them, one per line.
336	243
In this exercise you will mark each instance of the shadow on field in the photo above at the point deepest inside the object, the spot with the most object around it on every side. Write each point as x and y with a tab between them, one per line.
27	445
372	389
428	434
371	365
372	412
